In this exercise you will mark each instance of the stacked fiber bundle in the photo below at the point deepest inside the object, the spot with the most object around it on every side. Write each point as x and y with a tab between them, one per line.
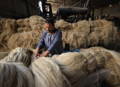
9	28
25	39
48	74
3	54
28	24
15	75
61	24
23	25
36	22
21	55
85	34
90	66
42	72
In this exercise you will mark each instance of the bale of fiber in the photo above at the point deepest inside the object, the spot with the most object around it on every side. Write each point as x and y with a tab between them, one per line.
19	55
75	39
24	39
7	28
28	24
72	66
63	25
84	34
23	25
77	67
109	60
3	54
48	74
15	75
23	22
36	22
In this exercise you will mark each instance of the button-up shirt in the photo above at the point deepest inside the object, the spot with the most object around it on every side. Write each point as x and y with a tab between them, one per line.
52	42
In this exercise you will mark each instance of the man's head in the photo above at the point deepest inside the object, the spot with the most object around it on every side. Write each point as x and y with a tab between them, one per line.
49	25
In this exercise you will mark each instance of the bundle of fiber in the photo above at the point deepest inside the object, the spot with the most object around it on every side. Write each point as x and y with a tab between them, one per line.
23	25
19	55
83	26
47	74
36	22
109	60
23	22
11	27
79	66
61	24
72	66
15	75
7	28
24	39
75	39
106	32
28	24
23	29
85	34
3	54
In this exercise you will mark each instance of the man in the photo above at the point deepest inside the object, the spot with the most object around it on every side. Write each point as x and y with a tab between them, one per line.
51	40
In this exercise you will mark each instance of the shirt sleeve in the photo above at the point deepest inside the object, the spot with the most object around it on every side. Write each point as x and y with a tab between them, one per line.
41	41
58	37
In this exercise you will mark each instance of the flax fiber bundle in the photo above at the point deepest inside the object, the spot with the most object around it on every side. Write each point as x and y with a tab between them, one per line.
19	55
3	54
28	24
88	68
85	34
24	39
47	74
23	25
93	63
36	22
82	34
15	75
7	28
10	27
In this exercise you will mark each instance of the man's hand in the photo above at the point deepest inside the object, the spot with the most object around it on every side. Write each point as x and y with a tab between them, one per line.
44	54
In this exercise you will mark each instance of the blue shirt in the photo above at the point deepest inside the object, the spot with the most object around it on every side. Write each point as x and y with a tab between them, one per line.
52	42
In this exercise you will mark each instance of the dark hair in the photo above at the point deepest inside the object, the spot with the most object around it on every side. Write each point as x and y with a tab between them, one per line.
50	21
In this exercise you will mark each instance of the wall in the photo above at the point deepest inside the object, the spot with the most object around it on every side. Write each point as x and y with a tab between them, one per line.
13	8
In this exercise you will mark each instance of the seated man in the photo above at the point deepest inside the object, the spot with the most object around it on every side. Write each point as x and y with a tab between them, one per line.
51	40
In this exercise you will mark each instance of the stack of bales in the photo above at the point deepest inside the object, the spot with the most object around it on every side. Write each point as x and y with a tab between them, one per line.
24	39
19	55
88	68
28	24
31	31
7	28
14	32
85	34
42	72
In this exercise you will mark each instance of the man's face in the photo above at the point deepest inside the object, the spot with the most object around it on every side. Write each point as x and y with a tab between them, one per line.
49	27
